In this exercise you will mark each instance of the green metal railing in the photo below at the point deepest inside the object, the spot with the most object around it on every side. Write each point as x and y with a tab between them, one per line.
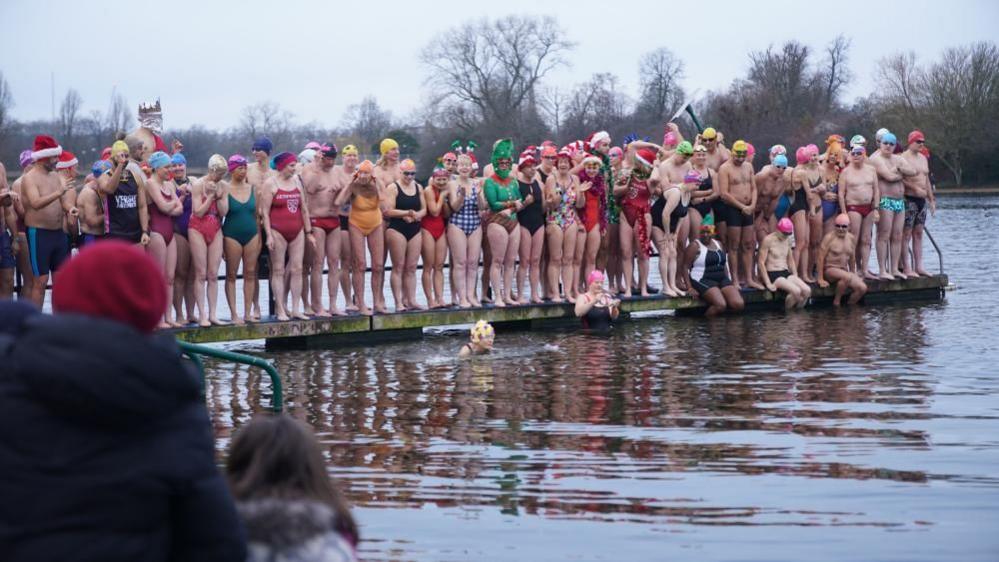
194	353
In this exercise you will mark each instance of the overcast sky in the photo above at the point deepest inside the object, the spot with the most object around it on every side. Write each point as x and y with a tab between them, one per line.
208	59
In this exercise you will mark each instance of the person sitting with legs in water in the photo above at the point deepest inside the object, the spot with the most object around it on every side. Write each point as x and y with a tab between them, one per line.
480	340
778	268
708	273
596	307
837	262
289	505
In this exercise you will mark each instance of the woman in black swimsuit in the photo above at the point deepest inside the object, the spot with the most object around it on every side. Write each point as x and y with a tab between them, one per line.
532	233
596	307
806	180
701	200
403	234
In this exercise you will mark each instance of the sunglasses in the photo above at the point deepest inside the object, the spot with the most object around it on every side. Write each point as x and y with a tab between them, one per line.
842	226
857	152
781	167
883	143
920	142
409	174
740	154
547	157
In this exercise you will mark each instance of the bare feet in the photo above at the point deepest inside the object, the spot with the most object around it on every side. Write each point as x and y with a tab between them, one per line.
282	317
238	321
886	277
380	309
670	292
571	300
163	326
537	300
300	315
464	304
557	300
499	303
337	312
218	322
756	285
900	275
351	308
923	273
364	310
176	325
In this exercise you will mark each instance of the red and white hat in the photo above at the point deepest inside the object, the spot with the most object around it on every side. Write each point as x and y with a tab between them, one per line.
45	147
646	156
66	160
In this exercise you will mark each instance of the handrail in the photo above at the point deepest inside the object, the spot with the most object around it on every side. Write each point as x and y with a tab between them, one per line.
194	351
935	247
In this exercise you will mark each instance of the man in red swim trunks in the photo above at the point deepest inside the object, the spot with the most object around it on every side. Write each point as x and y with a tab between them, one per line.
323	185
858	197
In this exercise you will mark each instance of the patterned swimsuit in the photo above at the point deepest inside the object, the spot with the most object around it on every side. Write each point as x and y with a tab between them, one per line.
467	217
565	214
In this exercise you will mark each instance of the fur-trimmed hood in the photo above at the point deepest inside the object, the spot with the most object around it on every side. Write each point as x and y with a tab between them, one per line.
291	530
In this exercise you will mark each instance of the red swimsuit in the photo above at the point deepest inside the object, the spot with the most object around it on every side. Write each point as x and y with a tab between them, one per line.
209	224
286	213
434	225
160	222
635	206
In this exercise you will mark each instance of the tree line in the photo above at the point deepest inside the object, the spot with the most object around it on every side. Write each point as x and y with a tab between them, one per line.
490	78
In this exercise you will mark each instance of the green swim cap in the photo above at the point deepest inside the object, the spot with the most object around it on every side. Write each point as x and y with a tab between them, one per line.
685	148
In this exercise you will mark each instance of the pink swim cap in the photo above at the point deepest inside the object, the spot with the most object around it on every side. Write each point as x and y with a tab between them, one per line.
595	276
615	151
802	155
669	139
785	225
812	150
750	149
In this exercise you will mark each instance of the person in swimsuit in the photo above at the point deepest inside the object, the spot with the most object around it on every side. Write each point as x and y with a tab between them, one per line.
837	262
503	195
464	232
593	213
366	226
92	204
859	193
532	234
209	205
805	205
832	163
772	183
708	275
241	238
322	184
163	207
9	246
404	207
563	199
434	226
480	341
635	230
23	256
737	187
892	170
49	199
777	266
919	200
702	200
344	173
183	278
286	222
596	307
669	229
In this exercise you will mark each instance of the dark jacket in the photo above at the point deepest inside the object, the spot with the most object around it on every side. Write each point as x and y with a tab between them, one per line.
106	451
286	530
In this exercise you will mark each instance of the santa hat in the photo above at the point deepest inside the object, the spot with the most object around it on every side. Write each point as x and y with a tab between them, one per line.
599	136
66	161
527	158
45	147
646	156
112	280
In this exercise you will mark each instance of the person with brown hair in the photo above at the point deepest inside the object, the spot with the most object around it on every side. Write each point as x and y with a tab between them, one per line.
291	509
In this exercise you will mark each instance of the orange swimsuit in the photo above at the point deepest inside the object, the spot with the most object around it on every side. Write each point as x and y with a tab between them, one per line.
365	214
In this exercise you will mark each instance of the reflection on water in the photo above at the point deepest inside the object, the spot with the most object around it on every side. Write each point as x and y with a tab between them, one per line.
762	437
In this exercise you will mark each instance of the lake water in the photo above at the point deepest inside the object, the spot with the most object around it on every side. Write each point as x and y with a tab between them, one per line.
869	433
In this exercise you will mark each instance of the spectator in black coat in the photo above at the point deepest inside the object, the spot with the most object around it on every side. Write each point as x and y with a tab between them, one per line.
107	451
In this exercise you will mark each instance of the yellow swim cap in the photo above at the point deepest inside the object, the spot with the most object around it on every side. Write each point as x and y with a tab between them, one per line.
740	147
482	330
387	145
349	149
118	147
709	133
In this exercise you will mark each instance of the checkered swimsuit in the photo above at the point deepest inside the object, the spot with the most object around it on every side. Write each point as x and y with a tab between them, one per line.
467	217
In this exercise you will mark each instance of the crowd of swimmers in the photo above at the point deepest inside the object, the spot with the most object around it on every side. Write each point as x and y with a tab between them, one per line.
541	220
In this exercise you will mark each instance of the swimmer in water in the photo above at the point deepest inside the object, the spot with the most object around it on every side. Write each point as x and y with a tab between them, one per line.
480	340
596	307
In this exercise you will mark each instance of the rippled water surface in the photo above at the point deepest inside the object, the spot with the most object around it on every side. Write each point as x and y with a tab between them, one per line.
863	434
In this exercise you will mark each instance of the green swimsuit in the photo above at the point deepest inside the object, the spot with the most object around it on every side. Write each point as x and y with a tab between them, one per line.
241	220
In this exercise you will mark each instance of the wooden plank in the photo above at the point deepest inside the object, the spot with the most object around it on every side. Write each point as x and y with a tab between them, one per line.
411	323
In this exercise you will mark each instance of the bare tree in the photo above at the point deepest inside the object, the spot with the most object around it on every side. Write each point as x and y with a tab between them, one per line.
265	118
6	103
594	105
835	73
659	73
119	116
69	112
552	103
367	120
494	67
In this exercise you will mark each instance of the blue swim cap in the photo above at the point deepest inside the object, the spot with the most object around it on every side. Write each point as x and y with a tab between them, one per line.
158	159
100	167
889	138
178	159
780	160
264	144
